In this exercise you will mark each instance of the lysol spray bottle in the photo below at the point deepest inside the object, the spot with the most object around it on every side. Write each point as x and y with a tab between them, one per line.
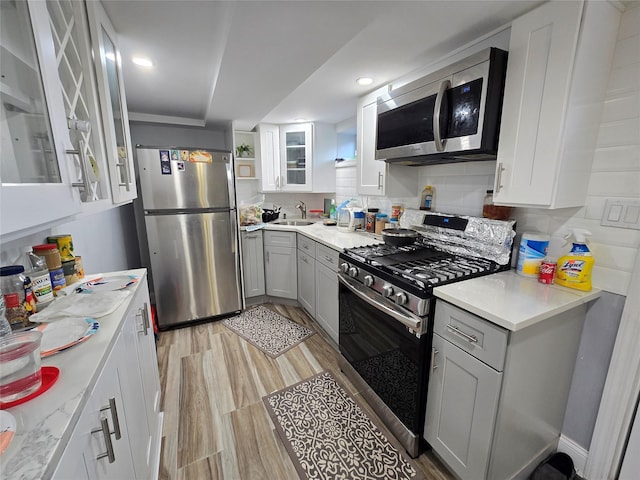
574	269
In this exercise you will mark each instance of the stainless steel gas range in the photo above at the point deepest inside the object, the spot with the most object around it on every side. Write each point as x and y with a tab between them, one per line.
387	307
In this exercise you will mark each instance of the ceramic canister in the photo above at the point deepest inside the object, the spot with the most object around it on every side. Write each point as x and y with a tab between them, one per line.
533	249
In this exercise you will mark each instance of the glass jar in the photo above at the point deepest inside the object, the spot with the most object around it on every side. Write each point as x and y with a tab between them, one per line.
381	221
12	285
51	254
494	212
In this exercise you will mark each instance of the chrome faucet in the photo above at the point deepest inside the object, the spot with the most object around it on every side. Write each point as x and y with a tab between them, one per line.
303	208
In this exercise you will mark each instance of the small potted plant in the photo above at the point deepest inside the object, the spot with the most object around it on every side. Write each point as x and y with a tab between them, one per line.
243	150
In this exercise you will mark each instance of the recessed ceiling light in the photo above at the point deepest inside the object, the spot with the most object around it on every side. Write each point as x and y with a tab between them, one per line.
143	62
364	81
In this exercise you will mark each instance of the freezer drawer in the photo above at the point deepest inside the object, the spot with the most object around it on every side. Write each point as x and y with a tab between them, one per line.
194	264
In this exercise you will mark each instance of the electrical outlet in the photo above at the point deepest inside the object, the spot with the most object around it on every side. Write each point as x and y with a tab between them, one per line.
621	213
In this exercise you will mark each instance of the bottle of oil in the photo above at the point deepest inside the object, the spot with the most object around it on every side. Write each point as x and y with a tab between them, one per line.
426	199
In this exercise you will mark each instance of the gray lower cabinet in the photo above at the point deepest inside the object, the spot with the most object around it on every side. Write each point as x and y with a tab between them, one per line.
327	299
307	282
280	264
496	398
461	408
253	263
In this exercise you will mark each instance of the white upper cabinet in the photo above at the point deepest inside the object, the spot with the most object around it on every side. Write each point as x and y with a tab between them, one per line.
376	177
114	104
298	157
37	183
559	61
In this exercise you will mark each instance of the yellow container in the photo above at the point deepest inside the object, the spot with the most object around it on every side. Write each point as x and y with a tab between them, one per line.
65	246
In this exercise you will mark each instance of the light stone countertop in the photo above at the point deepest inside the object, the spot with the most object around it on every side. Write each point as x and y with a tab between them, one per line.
513	301
45	423
507	299
328	235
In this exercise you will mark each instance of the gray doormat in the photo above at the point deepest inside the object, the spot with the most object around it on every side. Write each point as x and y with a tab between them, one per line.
269	331
328	435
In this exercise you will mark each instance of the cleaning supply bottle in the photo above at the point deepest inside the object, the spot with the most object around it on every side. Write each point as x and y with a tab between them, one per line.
426	198
574	269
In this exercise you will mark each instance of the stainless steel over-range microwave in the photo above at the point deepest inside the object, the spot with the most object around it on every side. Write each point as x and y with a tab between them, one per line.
450	115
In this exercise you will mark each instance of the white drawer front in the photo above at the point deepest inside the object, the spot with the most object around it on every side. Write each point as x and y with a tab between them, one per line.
279	239
481	338
327	256
307	246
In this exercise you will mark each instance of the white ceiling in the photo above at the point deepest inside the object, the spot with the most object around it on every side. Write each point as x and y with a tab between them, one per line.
276	61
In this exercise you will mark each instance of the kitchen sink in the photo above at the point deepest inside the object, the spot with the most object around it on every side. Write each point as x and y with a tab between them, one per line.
293	223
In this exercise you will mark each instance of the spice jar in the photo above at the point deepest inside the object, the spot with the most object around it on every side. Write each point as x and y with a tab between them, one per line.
12	285
381	220
370	220
51	254
494	212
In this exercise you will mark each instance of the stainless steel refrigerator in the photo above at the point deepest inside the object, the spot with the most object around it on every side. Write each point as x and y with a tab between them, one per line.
189	205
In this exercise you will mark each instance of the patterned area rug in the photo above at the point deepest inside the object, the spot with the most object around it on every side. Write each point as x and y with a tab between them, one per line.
329	436
269	331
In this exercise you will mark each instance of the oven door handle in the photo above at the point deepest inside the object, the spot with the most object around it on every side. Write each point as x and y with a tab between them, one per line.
408	319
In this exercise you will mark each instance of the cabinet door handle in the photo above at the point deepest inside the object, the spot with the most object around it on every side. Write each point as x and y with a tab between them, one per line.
267	256
104	428
434	352
114	416
145	319
328	258
466	336
499	185
379	180
124	164
85	184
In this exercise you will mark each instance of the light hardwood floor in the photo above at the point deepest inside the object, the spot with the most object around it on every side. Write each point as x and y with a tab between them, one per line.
215	424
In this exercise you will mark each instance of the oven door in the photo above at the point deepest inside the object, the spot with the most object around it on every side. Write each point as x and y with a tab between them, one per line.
388	355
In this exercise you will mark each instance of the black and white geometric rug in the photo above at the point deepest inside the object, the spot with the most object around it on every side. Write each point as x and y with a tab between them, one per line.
269	331
328	435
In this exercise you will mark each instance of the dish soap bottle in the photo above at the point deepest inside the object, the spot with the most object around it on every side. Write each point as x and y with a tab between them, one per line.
574	269
426	199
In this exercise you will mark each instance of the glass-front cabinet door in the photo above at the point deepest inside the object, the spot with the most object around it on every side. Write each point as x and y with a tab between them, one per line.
114	106
72	44
36	181
296	157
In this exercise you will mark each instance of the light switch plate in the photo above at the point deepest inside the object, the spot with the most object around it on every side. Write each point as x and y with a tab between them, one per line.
621	213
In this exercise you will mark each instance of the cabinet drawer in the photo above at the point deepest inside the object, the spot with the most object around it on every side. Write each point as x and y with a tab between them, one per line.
280	239
307	246
327	256
482	339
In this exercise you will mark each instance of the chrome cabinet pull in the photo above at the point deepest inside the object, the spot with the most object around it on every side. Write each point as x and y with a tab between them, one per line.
437	135
84	184
114	416
104	428
145	318
379	180
434	352
466	336
499	185
328	258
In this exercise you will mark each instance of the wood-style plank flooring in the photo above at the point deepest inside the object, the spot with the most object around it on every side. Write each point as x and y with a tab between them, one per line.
215	424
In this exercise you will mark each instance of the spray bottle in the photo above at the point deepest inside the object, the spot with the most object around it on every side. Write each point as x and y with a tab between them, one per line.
574	269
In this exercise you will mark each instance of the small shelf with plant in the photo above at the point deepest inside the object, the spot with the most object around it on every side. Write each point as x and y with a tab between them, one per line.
244	150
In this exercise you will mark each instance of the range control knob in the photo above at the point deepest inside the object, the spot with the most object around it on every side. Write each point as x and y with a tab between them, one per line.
387	291
401	298
368	280
344	267
353	272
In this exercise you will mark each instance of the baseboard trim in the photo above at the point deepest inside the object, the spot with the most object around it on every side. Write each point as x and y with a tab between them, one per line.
576	452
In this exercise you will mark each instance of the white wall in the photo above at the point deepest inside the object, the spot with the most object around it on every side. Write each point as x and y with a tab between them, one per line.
107	241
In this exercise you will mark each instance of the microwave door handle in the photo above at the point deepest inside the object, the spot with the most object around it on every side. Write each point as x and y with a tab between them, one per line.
437	135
